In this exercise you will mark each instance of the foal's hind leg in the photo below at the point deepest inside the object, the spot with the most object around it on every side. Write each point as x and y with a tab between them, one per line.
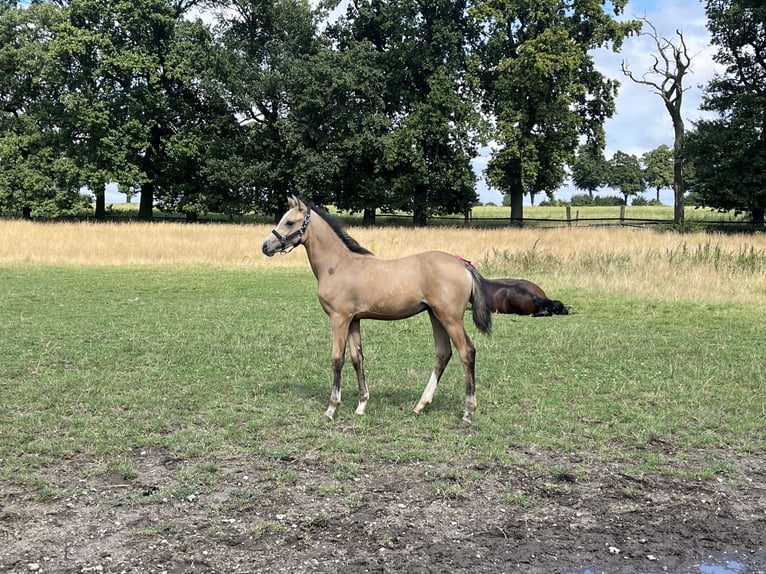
468	357
442	357
467	353
357	359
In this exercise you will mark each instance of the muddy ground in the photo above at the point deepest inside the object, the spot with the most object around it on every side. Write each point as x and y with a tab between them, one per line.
546	514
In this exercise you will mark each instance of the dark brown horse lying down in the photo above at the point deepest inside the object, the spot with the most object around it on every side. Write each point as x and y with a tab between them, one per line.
521	297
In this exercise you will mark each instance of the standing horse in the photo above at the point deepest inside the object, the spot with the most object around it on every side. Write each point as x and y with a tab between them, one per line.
522	297
352	285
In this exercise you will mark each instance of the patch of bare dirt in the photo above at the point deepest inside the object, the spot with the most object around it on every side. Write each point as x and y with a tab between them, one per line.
173	516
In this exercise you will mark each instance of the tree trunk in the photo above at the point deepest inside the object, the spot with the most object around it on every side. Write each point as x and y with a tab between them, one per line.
517	193
678	191
101	204
26	212
517	206
678	167
368	217
419	218
419	209
151	167
758	222
146	206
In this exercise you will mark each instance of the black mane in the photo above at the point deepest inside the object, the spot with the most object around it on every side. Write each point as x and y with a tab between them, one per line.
337	226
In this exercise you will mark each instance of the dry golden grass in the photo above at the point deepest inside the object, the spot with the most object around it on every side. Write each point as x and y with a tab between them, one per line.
629	261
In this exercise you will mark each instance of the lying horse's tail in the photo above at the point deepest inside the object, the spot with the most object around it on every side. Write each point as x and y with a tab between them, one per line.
480	304
547	307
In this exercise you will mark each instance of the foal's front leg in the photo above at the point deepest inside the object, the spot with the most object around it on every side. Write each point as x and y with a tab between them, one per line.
357	359
340	332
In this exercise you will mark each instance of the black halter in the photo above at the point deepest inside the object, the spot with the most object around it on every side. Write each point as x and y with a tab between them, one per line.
299	233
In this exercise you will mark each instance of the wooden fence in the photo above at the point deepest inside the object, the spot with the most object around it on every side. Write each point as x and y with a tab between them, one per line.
572	218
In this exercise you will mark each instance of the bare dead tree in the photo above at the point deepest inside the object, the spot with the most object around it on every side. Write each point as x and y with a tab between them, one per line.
665	77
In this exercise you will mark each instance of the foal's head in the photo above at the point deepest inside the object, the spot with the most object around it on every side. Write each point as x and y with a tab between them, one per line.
289	232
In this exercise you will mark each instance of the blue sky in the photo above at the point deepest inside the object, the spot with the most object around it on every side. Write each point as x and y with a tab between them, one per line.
641	122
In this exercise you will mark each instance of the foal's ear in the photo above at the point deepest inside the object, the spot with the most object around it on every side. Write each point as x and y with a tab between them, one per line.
292	201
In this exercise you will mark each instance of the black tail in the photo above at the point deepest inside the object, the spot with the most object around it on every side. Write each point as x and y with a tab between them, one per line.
480	303
548	307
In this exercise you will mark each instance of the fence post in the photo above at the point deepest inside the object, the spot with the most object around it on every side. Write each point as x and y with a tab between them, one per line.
622	215
569	215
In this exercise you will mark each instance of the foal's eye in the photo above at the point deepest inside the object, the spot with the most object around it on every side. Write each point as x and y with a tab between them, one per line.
289	223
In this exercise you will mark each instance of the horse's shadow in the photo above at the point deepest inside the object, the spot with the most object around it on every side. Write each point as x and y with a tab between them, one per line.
312	391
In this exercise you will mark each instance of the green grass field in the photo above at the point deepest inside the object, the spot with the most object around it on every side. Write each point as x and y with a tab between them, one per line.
211	363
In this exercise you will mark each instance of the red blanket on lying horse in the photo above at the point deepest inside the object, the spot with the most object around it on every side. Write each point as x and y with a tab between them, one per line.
521	297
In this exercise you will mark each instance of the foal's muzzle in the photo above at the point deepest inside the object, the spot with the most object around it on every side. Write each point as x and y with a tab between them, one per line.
270	247
267	250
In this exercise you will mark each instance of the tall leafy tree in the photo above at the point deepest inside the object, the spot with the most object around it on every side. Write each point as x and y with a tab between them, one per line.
729	165
625	175
543	88
139	97
658	168
87	109
423	51
589	169
728	153
35	176
265	41
198	175
339	109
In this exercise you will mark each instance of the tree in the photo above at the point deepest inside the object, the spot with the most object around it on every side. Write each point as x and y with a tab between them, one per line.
86	107
265	41
36	178
625	175
666	78
658	168
728	153
202	152
589	169
114	91
129	90
423	52
729	162
543	88
340	115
